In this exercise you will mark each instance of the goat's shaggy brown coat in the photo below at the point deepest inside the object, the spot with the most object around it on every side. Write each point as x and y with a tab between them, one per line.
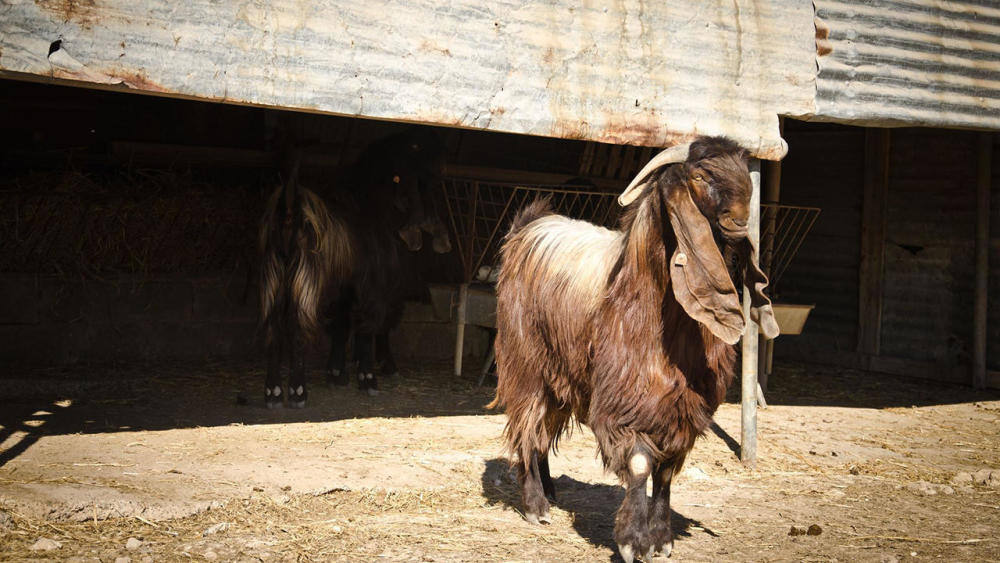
588	327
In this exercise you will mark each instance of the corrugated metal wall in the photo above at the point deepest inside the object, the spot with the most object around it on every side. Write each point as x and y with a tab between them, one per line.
644	73
909	62
824	168
930	247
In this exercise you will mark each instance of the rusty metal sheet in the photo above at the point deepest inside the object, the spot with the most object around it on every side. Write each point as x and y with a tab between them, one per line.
912	62
632	71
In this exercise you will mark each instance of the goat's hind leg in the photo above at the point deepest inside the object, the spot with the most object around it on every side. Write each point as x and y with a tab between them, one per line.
272	382
547	485
297	391
276	335
631	522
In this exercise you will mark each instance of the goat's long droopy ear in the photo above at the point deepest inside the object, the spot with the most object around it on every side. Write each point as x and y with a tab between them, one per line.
673	155
698	272
754	278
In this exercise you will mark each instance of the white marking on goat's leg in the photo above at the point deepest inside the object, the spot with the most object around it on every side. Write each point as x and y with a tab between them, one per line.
638	465
628	555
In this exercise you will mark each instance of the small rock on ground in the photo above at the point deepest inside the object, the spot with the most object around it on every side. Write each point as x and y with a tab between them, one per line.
123	559
962	478
45	544
929	489
797	531
216	528
988	477
814	530
133	544
695	474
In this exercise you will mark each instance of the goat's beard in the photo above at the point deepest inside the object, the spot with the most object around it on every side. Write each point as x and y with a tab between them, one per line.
734	260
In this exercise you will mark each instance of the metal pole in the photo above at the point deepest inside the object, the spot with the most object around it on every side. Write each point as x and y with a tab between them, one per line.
979	310
748	430
463	299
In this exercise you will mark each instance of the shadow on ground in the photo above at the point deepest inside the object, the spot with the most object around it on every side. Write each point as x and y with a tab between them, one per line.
167	395
88	399
592	506
828	386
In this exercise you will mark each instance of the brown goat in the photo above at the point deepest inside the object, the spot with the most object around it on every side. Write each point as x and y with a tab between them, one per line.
628	331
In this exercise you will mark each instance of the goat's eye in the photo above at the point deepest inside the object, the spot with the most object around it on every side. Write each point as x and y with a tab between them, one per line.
699	177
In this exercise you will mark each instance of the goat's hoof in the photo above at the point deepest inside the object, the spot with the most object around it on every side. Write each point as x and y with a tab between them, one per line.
337	377
368	383
538	519
662	555
628	555
272	397
297	397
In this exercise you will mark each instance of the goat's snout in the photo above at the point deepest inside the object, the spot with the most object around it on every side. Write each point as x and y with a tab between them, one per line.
733	225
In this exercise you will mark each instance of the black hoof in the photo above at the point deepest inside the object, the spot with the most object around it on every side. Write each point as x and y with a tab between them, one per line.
297	397
368	384
272	397
337	377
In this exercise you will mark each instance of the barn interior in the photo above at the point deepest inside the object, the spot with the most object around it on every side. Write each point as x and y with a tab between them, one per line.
130	227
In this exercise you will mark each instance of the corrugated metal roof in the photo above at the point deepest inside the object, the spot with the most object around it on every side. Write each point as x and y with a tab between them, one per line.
918	62
636	72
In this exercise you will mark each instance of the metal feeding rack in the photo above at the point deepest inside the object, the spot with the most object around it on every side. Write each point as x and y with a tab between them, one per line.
783	228
481	212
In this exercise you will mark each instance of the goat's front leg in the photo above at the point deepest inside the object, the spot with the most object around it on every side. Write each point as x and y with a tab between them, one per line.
631	523
533	490
339	328
660	535
365	346
383	356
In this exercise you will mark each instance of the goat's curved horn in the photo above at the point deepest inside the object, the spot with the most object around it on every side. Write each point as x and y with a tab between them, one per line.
672	155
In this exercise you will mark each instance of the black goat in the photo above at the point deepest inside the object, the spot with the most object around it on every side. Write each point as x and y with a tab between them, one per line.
344	253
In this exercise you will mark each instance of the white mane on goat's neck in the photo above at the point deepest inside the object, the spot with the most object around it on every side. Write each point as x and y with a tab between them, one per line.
579	254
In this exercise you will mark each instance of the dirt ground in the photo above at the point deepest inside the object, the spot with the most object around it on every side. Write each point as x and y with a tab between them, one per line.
182	462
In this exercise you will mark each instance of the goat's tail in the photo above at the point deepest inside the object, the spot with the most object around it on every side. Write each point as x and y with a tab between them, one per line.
305	252
534	210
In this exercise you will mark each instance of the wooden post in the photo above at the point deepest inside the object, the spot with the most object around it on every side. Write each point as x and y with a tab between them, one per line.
979	310
748	430
873	226
463	301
